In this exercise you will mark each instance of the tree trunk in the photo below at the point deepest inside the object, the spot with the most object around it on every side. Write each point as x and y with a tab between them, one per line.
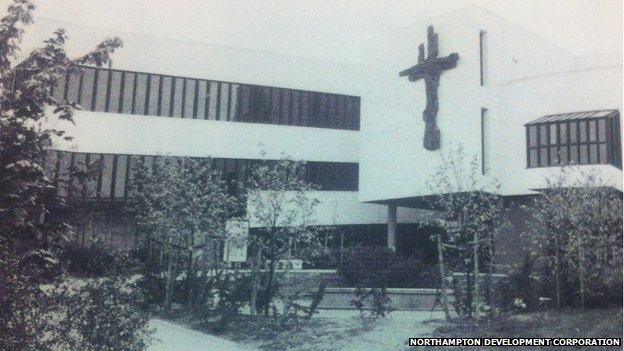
581	265
170	283
269	286
289	298
189	276
255	272
150	261
476	293
491	295
442	270
160	261
557	274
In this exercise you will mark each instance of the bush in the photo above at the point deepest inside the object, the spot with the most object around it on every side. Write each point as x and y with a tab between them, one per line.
371	266
324	259
90	260
379	303
217	301
102	314
153	289
521	291
97	314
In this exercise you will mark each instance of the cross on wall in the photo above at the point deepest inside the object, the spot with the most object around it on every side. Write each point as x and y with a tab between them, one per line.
430	70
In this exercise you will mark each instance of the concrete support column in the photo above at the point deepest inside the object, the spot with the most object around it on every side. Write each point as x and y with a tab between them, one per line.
392	226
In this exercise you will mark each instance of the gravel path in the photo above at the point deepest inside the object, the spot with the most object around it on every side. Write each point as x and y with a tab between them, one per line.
173	337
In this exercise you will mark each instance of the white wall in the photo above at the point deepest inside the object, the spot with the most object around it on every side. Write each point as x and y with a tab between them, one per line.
394	163
197	60
343	208
151	135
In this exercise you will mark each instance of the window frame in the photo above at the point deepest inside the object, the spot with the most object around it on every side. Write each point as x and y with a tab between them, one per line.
578	149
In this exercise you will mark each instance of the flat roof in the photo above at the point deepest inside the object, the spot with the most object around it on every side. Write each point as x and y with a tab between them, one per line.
575	116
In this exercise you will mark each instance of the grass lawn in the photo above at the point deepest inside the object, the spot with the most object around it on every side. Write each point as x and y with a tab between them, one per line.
344	330
547	324
337	330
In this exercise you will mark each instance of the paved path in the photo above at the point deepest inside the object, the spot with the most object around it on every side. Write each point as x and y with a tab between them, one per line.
173	337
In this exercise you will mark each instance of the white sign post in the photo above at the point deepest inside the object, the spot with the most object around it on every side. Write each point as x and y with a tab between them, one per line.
235	248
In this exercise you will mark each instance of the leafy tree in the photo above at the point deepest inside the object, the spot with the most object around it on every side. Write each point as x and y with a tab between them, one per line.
30	235
577	223
472	217
182	204
280	200
25	100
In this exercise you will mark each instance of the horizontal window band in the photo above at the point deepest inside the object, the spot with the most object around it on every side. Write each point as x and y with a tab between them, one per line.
114	171
129	92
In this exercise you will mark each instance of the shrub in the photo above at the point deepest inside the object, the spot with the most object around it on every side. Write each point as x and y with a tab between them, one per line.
101	314
379	303
520	292
153	289
217	300
324	259
370	266
97	314
89	260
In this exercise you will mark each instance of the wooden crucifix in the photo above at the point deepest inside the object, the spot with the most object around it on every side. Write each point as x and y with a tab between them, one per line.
430	70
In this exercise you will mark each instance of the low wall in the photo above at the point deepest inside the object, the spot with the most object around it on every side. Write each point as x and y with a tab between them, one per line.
400	299
309	280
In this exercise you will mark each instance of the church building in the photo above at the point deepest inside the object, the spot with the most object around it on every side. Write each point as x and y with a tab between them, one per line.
372	134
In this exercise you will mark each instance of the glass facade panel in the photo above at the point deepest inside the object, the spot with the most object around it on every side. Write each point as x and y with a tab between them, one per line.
234	102
554	156
543	134
154	95
201	99
212	109
553	134
189	98
563	133
583	131
72	88
107	176
602	148
165	98
574	160
94	161
563	155
115	89
224	98
543	156
584	155
128	92
593	132
86	88
120	177
573	132
602	130
101	90
141	94
177	97
79	165
593	154
533	158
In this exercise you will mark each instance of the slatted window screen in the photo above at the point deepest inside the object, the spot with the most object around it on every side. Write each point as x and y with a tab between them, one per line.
127	92
114	172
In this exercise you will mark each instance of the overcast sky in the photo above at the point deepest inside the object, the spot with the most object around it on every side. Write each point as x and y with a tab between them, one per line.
327	29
